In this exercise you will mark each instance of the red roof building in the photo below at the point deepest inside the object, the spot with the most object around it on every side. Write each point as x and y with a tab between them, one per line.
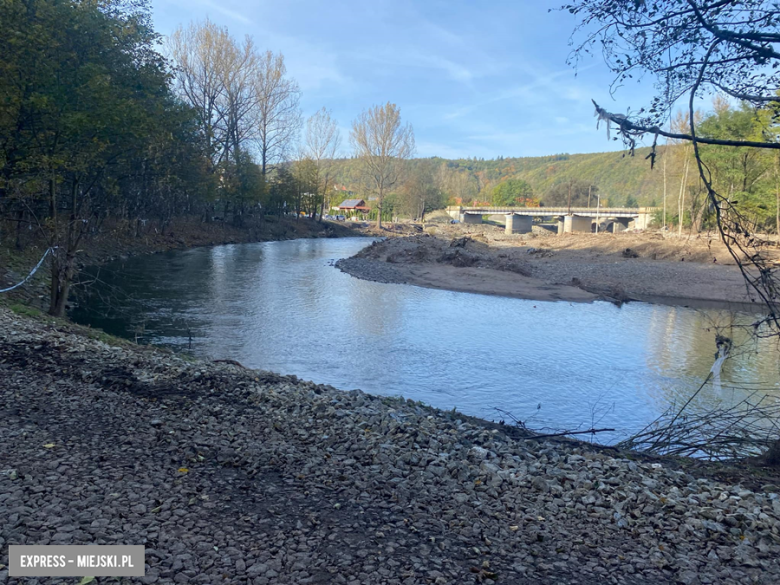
354	205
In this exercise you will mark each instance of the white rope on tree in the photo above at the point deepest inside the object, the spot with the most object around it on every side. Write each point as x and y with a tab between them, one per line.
29	276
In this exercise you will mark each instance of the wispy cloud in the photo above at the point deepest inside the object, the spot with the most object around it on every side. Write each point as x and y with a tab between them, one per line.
400	63
538	89
221	9
472	82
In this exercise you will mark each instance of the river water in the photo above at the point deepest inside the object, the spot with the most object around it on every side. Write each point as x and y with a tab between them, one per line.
283	306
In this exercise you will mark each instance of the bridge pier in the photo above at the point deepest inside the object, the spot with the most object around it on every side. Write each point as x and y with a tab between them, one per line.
619	224
518	224
574	224
643	219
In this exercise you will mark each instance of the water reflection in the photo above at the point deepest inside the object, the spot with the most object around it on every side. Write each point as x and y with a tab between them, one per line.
283	306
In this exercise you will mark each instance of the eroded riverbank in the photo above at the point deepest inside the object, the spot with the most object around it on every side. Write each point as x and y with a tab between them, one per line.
575	268
229	475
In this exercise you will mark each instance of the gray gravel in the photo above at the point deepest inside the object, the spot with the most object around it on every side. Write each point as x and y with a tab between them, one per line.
228	475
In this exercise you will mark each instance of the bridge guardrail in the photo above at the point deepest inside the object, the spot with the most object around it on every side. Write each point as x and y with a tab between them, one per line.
558	210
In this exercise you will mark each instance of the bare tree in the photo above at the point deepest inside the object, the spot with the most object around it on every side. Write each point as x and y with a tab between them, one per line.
420	192
278	117
382	143
215	75
322	143
239	101
199	53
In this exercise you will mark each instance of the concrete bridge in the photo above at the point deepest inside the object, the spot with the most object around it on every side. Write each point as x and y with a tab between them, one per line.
519	220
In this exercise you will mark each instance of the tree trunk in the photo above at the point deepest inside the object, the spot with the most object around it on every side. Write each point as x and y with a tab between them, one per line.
664	222
55	287
777	196
379	210
62	271
681	201
20	219
772	456
60	286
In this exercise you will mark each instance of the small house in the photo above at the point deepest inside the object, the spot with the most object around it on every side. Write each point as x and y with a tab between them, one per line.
353	206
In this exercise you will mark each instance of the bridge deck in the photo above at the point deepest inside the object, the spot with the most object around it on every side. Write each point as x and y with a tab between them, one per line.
553	211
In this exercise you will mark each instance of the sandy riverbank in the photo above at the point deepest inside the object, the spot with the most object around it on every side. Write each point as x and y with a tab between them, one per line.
576	268
229	475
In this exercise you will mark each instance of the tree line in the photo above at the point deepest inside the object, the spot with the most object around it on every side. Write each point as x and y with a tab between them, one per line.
749	175
105	125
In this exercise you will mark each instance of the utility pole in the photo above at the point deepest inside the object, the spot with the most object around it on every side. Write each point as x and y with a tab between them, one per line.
598	207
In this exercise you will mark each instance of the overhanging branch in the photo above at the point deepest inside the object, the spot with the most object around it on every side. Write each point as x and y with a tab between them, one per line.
627	126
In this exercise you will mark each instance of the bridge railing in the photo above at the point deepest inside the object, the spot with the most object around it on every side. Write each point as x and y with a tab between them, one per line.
558	210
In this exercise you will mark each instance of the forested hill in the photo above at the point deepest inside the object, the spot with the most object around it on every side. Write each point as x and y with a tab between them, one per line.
617	175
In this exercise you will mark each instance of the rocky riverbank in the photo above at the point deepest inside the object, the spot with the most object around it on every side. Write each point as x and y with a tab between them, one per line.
577	268
229	475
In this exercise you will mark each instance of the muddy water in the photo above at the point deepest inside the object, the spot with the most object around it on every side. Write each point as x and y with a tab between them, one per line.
282	306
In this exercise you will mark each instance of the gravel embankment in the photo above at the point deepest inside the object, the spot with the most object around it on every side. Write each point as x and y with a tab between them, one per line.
228	475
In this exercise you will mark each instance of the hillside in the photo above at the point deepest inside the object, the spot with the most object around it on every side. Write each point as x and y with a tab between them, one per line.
617	174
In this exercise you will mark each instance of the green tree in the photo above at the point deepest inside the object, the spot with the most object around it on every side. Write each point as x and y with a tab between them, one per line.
82	93
243	185
306	182
744	174
281	193
507	193
572	193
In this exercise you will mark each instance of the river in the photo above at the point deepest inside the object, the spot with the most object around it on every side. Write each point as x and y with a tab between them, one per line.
283	306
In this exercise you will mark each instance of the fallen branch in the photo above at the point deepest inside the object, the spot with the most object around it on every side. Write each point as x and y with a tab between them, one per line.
746	429
566	433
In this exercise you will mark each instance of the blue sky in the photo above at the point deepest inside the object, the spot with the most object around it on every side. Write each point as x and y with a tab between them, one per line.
482	79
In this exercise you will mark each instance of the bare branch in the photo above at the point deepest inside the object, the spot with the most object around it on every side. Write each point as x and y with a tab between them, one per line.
629	128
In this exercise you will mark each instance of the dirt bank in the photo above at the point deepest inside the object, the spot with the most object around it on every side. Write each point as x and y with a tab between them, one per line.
621	267
228	475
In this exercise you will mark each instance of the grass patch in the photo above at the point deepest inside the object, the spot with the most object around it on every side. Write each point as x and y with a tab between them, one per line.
107	338
25	310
